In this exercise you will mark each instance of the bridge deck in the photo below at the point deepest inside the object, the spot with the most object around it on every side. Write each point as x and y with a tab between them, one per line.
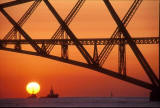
90	41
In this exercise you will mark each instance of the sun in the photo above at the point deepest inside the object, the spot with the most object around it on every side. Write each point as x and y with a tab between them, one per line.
33	88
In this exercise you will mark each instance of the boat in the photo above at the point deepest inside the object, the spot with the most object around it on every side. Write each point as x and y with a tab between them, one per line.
51	94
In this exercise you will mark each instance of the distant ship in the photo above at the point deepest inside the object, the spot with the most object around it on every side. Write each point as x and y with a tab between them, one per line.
51	94
111	94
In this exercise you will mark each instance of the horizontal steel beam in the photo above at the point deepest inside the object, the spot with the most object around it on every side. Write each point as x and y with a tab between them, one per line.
149	71
69	32
98	41
13	3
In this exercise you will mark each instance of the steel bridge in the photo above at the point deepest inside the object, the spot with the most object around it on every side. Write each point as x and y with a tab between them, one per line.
64	37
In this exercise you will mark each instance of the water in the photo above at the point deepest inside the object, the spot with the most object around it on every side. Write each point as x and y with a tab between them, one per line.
79	102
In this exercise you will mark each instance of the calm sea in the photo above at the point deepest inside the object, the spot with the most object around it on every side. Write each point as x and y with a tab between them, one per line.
79	102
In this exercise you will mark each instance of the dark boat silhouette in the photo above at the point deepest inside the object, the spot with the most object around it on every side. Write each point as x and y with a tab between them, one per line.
51	94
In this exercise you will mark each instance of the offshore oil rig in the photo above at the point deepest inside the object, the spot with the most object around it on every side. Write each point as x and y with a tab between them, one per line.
51	94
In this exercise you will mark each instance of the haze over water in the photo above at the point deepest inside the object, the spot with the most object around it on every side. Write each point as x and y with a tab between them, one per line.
80	102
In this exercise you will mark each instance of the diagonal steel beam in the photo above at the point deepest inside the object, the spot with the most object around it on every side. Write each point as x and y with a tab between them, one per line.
126	19
23	19
67	20
26	36
83	51
84	65
13	3
132	44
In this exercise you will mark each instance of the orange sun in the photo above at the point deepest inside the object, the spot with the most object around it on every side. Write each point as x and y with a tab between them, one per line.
33	88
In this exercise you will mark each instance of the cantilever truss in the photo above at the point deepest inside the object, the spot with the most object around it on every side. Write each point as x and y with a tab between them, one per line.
121	37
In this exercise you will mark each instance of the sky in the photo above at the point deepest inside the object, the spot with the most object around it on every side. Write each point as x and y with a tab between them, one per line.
93	21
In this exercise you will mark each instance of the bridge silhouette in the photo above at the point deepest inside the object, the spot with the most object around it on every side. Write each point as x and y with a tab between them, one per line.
65	37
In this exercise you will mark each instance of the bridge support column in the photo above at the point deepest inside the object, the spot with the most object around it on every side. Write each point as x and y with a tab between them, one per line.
64	46
95	53
43	47
17	36
64	52
155	94
1	45
122	58
18	46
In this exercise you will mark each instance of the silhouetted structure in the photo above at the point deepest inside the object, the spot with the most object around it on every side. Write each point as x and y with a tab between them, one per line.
51	94
120	36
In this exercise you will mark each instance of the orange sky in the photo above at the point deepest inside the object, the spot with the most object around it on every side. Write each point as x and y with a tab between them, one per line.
93	21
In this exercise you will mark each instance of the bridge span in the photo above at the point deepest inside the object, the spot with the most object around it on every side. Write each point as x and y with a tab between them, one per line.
90	41
64	36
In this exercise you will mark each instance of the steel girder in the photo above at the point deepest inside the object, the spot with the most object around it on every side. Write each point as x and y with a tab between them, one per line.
91	64
85	65
82	50
26	36
14	3
97	41
135	49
